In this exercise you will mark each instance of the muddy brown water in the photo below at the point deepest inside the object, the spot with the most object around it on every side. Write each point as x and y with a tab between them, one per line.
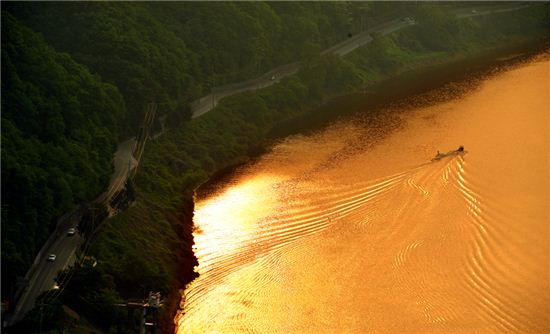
351	229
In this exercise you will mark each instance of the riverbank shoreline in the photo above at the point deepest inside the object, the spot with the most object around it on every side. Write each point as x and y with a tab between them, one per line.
379	96
399	88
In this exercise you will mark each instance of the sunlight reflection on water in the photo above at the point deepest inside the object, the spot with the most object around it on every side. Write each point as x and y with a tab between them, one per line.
331	233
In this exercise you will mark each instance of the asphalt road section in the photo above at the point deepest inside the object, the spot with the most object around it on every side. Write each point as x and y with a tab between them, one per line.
41	276
46	271
205	104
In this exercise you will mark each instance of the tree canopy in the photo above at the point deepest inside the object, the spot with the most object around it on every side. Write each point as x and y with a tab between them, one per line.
59	130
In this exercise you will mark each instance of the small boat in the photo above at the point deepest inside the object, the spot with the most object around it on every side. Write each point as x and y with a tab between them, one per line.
439	155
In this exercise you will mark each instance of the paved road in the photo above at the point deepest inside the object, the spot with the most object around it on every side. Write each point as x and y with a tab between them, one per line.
208	102
42	274
471	12
124	160
45	273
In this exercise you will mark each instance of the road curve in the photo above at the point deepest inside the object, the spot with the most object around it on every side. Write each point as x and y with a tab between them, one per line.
205	104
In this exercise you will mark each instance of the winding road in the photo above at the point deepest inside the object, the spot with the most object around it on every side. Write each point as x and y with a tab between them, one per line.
206	103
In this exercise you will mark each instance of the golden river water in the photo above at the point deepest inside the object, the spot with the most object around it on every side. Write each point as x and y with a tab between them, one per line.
343	232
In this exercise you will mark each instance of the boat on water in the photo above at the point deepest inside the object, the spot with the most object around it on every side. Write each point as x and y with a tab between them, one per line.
439	155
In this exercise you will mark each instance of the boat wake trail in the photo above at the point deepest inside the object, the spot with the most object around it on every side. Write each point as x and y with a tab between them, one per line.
424	227
302	211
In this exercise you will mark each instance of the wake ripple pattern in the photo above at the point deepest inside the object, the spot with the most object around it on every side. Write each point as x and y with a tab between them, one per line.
437	226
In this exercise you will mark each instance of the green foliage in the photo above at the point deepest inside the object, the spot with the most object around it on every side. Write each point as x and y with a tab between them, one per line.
382	54
439	37
59	129
175	52
435	27
92	292
330	75
126	45
531	21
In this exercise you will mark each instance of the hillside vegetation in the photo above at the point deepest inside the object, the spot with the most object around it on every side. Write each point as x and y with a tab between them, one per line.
173	53
60	127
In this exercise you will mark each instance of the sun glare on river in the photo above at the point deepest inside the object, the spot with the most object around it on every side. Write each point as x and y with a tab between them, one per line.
223	214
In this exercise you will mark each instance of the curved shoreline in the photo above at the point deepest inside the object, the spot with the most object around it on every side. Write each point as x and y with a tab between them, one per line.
478	65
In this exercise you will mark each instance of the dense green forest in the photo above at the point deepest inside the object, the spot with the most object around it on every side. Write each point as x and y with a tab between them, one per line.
175	52
60	126
127	54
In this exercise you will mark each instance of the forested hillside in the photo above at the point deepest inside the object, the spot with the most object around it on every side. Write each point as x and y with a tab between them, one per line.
60	126
61	121
175	52
76	78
